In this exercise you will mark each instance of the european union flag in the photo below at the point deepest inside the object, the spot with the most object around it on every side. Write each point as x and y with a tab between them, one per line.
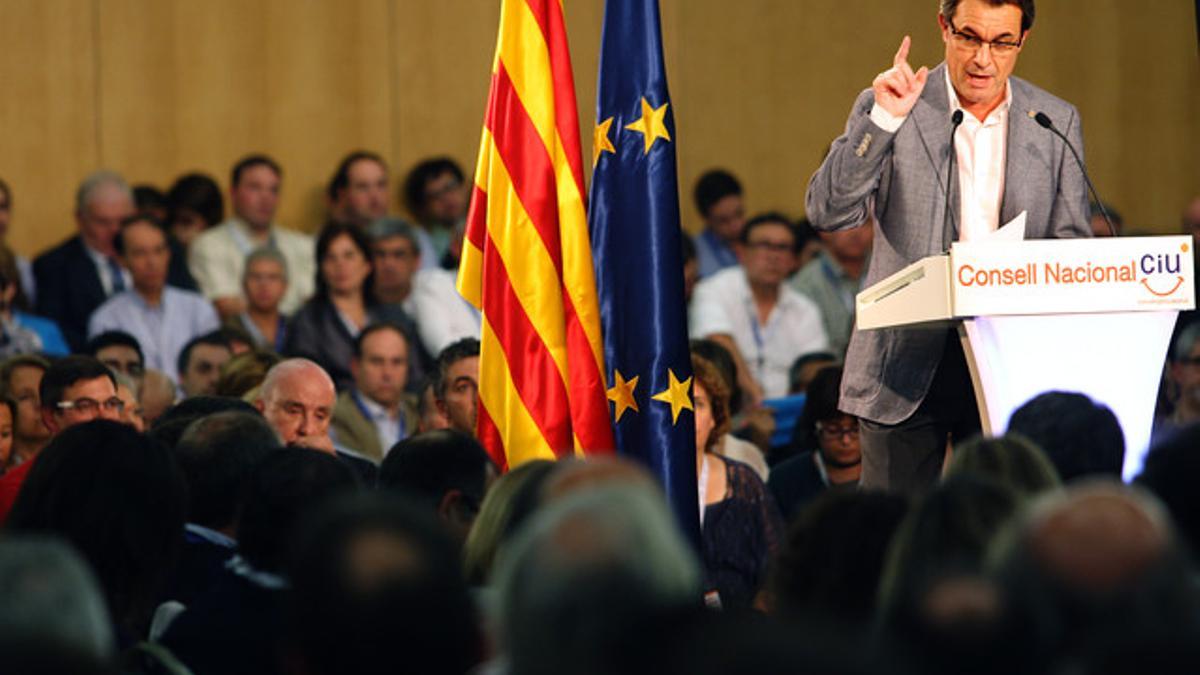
634	222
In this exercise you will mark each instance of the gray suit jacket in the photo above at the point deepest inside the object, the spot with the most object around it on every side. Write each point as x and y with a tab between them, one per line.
902	177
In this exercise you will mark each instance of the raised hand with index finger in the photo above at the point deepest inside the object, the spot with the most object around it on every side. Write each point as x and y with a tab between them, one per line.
898	87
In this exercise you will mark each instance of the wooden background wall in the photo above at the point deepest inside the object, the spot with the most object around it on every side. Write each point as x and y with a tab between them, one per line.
154	88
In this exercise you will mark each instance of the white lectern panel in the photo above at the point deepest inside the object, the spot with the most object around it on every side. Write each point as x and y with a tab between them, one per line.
1114	358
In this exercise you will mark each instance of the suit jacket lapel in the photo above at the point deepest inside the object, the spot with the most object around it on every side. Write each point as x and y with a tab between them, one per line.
1015	154
931	116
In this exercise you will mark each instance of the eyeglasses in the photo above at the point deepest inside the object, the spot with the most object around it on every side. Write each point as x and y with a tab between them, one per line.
90	406
771	246
973	43
837	432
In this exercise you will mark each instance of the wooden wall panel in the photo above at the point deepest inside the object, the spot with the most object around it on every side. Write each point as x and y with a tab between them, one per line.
189	85
47	114
759	86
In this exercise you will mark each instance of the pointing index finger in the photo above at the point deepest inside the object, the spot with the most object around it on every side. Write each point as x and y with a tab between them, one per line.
902	52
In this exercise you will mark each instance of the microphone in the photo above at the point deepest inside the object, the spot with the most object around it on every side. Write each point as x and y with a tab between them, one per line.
955	119
1043	120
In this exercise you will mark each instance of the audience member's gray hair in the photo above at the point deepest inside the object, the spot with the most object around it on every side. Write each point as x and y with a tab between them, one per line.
49	596
97	181
388	227
265	253
602	553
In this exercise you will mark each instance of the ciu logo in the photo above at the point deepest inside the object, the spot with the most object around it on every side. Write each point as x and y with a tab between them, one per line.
1162	273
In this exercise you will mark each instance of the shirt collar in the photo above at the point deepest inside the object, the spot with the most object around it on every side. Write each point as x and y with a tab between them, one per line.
955	104
376	411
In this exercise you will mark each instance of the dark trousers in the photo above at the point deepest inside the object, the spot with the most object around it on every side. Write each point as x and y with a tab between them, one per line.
907	457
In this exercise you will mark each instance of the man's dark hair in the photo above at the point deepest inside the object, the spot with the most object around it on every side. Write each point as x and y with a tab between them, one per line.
770	218
251	161
802	361
212	339
199	193
110	338
216	454
804	233
1170	473
820	405
135	219
422	173
948	7
118	497
67	371
452	354
1080	436
148	197
325	239
169	427
713	186
341	177
281	488
410	606
428	465
374	328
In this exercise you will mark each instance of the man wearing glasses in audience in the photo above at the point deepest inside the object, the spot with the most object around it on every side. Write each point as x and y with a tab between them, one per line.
910	386
74	390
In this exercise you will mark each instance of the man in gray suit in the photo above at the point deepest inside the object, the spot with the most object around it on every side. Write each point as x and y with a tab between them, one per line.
911	386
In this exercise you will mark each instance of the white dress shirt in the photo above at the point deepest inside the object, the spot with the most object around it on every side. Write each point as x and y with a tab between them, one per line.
217	259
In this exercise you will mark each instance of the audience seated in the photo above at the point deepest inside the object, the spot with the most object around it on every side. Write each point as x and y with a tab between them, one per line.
194	204
1170	473
1011	460
834	277
20	331
78	275
446	472
20	379
241	375
456	384
118	350
161	317
427	295
375	590
24	268
217	257
200	363
511	499
119	499
1081	437
718	197
435	192
358	190
830	456
264	283
238	626
830	564
376	413
739	523
750	311
324	329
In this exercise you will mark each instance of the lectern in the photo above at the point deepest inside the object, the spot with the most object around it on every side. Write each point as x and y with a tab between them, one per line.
1093	316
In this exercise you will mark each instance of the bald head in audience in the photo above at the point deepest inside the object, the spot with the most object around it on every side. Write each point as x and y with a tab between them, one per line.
297	399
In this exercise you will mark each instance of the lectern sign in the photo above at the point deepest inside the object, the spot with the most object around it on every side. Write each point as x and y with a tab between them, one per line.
1072	276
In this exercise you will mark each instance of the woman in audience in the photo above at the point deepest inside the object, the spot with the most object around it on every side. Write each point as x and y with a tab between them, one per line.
325	327
740	525
20	332
508	503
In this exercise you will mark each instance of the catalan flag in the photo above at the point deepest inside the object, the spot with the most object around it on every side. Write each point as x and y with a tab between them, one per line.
636	241
527	263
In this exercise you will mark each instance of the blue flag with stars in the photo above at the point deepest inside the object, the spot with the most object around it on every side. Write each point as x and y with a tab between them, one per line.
636	245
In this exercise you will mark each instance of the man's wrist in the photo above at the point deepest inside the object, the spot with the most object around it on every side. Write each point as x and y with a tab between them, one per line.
886	120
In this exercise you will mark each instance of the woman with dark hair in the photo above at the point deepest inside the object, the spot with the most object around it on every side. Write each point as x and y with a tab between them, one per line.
118	497
325	327
739	523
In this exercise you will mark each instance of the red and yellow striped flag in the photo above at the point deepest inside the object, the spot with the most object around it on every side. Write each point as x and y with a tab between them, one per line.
527	261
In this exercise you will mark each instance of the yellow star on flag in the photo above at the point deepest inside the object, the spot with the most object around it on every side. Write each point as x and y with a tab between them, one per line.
676	394
651	124
600	145
622	393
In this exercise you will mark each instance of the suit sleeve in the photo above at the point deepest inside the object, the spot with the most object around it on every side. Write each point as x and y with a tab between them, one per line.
840	192
1070	215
